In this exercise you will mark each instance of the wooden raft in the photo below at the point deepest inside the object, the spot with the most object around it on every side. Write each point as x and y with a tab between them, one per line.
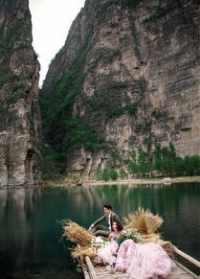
178	272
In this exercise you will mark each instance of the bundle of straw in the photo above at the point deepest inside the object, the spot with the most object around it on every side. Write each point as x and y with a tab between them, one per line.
80	251
151	237
143	221
77	234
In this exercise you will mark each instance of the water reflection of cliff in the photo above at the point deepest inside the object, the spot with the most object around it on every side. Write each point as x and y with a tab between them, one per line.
127	199
124	199
17	208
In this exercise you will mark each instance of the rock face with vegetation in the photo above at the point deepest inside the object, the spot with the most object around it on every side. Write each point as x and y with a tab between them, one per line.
19	108
125	87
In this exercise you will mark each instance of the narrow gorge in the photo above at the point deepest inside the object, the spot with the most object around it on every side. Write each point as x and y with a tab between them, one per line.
114	131
123	88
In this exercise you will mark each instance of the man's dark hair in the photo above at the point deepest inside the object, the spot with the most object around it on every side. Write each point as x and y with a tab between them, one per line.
108	206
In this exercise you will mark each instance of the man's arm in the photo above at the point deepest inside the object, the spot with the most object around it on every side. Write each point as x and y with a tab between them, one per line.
97	221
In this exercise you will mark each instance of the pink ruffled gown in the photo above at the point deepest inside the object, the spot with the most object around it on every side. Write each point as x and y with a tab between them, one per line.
107	254
143	261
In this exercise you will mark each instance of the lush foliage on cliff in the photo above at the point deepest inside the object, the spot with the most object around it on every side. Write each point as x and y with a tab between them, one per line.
163	162
62	131
80	134
107	174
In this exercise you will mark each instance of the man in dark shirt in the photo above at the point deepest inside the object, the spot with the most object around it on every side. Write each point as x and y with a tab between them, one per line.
109	216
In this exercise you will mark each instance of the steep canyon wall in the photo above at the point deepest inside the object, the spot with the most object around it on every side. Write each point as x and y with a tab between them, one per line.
19	109
127	76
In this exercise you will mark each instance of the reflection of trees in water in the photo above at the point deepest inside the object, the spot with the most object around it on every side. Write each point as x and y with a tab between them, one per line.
16	207
166	201
86	196
83	205
3	202
93	199
124	200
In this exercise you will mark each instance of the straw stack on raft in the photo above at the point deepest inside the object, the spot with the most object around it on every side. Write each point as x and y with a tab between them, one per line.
141	226
147	225
77	234
144	221
81	237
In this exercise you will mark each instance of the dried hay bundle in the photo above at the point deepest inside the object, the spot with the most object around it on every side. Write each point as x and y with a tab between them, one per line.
80	251
77	234
143	221
152	237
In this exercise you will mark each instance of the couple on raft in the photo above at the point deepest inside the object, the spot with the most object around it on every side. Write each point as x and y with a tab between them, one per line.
139	261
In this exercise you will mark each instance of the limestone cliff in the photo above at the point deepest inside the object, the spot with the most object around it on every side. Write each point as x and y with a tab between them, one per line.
127	76
19	110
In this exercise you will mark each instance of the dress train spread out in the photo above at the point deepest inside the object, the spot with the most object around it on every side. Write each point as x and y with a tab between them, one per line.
140	261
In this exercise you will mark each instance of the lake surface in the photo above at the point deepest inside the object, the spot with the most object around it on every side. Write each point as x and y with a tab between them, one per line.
30	234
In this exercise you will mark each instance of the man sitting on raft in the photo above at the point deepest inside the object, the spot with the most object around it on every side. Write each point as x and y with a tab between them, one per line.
110	217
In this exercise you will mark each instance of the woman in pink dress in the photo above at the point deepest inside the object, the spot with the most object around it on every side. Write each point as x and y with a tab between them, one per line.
143	261
108	254
140	261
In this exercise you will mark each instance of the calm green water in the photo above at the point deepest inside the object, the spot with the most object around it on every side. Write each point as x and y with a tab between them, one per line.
30	244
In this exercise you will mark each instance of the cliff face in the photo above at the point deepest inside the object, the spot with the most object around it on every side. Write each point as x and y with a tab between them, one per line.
128	76
19	110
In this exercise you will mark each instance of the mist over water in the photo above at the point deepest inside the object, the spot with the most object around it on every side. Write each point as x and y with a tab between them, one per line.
31	230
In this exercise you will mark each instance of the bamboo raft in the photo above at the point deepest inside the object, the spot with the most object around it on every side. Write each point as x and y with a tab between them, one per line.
179	270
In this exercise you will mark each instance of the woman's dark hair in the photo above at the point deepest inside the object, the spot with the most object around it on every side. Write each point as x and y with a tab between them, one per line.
108	206
119	226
